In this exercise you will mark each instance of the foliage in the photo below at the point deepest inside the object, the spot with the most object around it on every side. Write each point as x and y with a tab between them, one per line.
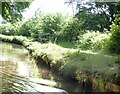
66	44
70	62
38	27
12	11
25	28
97	15
57	28
93	21
52	24
114	9
71	30
6	38
98	66
7	29
114	42
30	28
74	64
95	41
13	39
68	70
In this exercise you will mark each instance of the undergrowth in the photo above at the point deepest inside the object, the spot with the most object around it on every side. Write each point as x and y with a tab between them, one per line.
71	63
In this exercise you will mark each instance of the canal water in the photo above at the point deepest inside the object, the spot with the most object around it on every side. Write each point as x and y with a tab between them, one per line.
20	73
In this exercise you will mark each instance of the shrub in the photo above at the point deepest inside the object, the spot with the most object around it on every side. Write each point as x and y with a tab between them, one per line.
25	28
52	24
72	62
93	40
7	29
98	66
114	42
71	30
39	27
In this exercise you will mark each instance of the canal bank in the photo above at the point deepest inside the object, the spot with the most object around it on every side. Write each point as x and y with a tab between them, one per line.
21	74
94	72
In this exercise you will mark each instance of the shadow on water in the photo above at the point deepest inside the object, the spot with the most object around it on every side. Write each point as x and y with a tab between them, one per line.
21	74
69	85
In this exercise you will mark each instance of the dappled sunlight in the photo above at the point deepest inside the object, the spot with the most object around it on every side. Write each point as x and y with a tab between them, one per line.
60	45
22	69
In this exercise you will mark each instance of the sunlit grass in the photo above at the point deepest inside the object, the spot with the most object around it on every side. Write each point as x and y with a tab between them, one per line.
72	63
75	64
66	44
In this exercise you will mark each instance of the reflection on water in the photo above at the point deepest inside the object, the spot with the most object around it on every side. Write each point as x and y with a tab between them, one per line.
15	67
68	85
21	74
14	59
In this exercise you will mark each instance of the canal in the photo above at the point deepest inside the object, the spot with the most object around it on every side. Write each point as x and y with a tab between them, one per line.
20	73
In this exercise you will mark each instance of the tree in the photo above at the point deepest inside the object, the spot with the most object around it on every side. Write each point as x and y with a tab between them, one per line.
52	24
72	30
114	42
12	11
97	15
112	8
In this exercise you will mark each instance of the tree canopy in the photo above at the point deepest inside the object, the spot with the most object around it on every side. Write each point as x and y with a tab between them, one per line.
96	15
12	11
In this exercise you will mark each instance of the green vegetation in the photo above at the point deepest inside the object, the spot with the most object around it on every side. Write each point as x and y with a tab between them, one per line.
67	44
13	39
12	11
71	63
94	41
84	46
9	29
114	42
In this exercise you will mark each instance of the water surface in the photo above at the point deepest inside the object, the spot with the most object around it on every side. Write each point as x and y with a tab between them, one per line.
20	73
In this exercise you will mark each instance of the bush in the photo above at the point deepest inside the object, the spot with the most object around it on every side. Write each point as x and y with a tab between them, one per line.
114	42
71	30
26	28
93	40
52	24
98	66
39	27
31	27
7	29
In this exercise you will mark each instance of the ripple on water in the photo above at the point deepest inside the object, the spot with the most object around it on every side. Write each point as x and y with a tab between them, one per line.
19	74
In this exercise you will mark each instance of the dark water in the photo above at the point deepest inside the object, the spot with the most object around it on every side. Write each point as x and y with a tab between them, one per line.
20	73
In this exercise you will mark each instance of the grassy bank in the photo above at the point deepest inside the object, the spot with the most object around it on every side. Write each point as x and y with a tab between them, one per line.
90	68
14	39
